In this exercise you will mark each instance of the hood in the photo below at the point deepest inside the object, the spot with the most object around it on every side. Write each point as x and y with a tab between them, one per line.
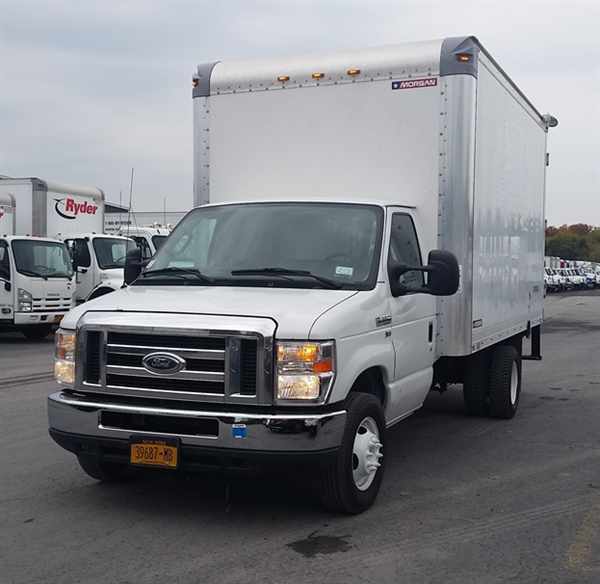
46	289
293	309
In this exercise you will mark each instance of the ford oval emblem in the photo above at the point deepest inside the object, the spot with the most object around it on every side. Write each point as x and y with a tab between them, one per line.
163	363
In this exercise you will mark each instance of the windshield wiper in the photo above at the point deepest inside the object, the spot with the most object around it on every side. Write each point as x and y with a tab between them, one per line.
178	273
32	273
287	272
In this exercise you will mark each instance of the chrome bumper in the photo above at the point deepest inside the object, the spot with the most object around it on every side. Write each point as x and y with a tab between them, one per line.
301	433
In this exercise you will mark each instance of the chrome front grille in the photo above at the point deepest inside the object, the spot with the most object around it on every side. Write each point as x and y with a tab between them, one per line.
51	304
220	365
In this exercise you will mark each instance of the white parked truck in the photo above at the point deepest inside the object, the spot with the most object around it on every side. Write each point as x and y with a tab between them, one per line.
36	288
75	215
370	227
148	238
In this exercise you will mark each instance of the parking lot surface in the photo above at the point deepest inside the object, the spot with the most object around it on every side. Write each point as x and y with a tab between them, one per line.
463	499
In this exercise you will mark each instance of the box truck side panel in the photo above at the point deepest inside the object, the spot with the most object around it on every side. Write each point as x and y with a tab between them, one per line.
68	213
508	230
7	214
363	141
20	191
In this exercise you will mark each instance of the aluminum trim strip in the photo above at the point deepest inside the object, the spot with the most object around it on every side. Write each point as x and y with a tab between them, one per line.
183	375
73	401
143	350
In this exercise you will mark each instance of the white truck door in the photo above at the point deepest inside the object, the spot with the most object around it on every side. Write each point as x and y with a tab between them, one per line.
6	294
81	254
412	321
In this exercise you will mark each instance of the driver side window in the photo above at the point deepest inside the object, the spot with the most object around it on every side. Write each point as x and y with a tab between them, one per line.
404	249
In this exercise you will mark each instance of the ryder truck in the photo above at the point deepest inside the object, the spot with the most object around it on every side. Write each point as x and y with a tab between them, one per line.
370	225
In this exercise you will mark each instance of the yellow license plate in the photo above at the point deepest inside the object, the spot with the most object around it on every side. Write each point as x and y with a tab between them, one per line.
154	453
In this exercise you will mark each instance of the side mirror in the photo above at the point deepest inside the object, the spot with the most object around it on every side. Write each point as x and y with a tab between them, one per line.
443	279
444	273
133	265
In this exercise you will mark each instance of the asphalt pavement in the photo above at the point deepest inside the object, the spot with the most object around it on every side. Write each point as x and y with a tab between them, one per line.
464	500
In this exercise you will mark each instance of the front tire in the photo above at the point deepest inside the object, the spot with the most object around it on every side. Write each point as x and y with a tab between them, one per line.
351	482
505	382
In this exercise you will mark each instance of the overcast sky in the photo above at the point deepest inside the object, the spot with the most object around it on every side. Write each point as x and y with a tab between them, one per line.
90	89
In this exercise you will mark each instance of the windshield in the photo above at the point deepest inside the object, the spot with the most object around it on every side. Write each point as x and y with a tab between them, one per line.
330	243
46	259
111	252
158	241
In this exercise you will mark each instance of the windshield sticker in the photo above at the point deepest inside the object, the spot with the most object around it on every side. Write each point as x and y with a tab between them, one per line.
344	271
415	83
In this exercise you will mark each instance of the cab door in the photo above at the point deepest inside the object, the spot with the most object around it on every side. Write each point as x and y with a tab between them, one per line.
412	319
6	292
82	265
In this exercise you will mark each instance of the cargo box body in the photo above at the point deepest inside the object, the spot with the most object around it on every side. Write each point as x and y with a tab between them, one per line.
49	209
437	126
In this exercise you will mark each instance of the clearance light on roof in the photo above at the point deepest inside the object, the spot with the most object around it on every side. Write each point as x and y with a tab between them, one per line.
318	75
464	57
353	71
283	78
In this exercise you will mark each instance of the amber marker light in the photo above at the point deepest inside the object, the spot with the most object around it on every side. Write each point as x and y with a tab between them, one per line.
318	75
283	78
463	57
353	71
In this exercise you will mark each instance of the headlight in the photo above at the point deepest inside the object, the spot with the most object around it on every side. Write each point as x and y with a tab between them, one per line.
64	357
305	370
25	301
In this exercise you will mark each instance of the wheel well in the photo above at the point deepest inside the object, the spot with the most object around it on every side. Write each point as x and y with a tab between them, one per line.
371	381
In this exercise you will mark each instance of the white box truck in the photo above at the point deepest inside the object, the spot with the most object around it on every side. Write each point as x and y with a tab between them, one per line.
75	215
370	225
36	288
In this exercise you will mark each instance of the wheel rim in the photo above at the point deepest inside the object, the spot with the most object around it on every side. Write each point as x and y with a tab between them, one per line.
514	383
366	453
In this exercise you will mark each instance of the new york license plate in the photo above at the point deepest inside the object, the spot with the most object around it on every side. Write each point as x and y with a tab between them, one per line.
157	452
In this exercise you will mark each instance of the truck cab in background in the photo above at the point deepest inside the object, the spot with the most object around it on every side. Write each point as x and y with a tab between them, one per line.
148	239
36	284
98	263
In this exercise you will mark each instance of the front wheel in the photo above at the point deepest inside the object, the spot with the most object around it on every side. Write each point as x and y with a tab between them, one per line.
351	482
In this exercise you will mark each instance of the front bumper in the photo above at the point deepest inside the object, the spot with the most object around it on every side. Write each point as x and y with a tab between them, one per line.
82	422
33	318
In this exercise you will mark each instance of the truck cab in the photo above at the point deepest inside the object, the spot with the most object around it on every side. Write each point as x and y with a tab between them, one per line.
98	262
36	284
148	239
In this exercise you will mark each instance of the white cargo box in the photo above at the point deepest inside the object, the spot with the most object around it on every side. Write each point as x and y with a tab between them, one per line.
435	125
50	209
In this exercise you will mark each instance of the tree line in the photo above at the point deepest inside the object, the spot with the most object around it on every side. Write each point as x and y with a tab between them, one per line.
574	242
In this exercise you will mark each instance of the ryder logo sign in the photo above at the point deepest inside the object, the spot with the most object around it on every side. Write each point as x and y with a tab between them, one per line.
415	83
69	208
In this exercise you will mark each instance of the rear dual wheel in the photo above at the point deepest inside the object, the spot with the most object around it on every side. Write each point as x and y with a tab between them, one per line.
492	384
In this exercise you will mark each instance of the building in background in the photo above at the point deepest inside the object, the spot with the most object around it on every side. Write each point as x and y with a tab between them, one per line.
117	216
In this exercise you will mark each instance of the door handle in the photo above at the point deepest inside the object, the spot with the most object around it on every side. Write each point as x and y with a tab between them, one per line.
430	332
383	320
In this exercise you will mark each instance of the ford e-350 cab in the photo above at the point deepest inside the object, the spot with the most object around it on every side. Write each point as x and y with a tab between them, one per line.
369	226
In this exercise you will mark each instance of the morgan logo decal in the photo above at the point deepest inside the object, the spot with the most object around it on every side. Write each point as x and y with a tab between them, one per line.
415	83
69	208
